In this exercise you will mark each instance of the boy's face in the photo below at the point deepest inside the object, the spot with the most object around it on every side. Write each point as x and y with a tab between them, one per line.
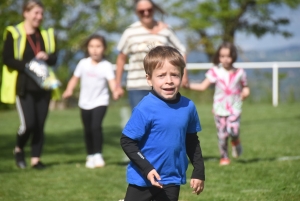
165	81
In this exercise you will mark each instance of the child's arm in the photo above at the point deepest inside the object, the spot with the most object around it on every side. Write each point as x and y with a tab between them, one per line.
131	149
200	86
71	85
194	153
245	92
120	63
113	88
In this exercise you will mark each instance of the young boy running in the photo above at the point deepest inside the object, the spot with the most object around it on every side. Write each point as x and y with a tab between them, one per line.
161	132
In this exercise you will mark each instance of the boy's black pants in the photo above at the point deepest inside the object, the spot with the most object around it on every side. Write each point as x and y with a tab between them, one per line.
167	193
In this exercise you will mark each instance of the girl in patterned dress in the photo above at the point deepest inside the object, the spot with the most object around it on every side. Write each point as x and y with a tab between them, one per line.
230	90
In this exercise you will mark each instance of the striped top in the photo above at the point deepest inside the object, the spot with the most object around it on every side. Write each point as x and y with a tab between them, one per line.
136	42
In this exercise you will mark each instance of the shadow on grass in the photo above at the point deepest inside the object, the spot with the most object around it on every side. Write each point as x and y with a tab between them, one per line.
243	161
270	120
121	163
71	143
255	160
67	143
206	158
66	162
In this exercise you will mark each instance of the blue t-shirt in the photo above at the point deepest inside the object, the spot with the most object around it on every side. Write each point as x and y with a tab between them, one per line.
160	129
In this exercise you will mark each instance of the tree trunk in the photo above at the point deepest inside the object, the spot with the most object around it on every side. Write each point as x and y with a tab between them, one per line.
207	43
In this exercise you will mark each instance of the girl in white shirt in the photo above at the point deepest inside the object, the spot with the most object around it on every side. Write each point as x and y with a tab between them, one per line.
95	72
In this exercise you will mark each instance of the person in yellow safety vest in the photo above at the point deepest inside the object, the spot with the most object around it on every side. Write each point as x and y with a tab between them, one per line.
22	43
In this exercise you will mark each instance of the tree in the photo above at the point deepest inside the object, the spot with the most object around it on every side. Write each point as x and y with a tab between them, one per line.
216	21
73	21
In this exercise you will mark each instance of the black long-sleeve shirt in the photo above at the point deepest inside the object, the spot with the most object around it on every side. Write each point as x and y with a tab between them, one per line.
24	82
193	150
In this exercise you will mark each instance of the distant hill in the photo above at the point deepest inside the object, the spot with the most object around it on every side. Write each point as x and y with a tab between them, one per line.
290	53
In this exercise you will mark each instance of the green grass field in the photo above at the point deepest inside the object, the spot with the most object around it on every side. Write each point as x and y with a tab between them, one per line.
269	168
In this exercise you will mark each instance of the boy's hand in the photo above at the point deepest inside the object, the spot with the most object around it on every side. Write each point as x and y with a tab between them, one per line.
197	185
153	176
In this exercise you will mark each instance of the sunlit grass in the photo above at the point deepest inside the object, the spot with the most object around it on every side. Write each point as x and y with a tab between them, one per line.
268	134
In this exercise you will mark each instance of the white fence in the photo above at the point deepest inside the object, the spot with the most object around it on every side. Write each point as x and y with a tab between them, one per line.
255	65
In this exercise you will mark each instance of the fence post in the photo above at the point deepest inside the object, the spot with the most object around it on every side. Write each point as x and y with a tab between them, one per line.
275	85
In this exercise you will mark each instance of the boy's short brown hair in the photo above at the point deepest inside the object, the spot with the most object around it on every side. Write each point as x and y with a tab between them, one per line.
157	57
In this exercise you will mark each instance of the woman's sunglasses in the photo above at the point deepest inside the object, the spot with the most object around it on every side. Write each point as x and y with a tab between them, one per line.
142	12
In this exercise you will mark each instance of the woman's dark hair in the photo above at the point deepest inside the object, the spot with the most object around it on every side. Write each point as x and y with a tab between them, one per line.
88	40
232	49
28	5
156	7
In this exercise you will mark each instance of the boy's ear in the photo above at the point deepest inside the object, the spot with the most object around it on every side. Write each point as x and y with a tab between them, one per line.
148	77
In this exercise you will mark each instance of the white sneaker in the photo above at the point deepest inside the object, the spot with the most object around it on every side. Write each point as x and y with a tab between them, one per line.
98	160
236	149
90	162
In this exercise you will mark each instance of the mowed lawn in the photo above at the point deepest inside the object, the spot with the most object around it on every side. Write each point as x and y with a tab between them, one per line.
269	168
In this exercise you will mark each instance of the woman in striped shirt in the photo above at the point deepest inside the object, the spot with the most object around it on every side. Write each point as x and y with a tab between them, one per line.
137	40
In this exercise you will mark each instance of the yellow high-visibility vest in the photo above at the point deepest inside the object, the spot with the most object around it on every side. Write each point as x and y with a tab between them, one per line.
9	75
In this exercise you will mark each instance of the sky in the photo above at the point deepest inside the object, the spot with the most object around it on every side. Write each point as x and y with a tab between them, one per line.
270	41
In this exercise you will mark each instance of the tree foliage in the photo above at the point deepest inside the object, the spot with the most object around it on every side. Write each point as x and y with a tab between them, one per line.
73	20
215	21
210	21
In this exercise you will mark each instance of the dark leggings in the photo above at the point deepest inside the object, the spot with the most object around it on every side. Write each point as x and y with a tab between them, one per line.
167	193
92	122
33	110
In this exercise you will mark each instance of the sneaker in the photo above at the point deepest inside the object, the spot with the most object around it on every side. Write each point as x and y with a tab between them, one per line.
20	159
236	149
224	161
98	160
39	166
90	162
